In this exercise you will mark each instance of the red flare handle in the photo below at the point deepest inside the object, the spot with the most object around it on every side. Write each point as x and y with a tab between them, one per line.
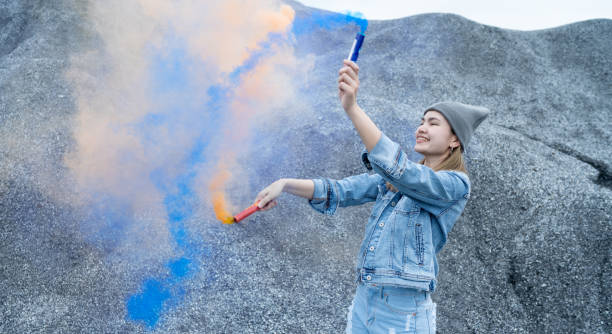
247	212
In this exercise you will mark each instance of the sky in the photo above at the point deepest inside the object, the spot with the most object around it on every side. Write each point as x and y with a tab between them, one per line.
516	14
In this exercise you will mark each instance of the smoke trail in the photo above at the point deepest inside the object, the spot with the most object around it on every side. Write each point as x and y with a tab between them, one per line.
359	19
167	106
328	21
164	109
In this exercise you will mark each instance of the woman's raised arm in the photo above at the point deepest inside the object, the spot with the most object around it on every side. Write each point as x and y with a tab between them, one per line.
348	85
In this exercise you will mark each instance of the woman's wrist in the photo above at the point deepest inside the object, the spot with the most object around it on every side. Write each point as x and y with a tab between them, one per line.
352	109
283	184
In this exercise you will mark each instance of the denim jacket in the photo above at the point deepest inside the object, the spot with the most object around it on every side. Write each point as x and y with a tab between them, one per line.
407	228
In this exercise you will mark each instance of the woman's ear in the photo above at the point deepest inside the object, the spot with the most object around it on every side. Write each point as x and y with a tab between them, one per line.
454	142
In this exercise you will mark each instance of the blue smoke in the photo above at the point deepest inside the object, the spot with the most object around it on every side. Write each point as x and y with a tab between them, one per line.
172	77
171	74
328	21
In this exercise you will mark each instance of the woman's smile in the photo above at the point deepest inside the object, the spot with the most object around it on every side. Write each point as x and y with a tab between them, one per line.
421	139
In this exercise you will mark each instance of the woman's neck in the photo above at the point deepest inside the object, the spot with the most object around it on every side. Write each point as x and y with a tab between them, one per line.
433	161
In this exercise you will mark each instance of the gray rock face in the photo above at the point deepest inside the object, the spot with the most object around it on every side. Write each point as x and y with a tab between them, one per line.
530	254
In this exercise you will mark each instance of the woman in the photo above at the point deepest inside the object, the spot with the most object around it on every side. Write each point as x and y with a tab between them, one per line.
416	207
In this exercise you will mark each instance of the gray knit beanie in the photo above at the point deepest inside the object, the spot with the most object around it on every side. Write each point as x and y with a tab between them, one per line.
463	118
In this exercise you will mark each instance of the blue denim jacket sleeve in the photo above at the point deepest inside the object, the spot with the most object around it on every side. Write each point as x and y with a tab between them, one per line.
329	194
435	191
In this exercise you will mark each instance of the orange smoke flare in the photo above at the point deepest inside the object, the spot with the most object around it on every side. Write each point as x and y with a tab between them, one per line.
247	212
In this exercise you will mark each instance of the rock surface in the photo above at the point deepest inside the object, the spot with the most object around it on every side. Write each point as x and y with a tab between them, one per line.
530	254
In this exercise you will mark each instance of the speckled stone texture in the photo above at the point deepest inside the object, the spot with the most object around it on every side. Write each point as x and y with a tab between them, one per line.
530	254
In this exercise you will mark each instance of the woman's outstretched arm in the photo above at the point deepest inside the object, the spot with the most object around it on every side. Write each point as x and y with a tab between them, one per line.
324	195
299	187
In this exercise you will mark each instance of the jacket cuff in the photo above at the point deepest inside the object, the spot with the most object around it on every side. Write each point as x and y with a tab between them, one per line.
366	160
323	199
385	155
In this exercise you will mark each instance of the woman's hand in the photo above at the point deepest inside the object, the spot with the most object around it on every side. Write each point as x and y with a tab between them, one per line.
267	197
348	84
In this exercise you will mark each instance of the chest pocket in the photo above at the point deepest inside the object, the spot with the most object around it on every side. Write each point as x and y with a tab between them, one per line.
412	233
407	207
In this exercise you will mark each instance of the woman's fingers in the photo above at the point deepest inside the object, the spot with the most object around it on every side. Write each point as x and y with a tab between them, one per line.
266	199
350	72
261	195
263	201
352	65
346	88
347	85
346	78
269	205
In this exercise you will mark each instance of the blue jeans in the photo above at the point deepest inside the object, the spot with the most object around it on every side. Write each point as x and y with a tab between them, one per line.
391	310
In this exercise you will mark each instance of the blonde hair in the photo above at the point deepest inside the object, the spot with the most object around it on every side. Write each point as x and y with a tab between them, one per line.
454	162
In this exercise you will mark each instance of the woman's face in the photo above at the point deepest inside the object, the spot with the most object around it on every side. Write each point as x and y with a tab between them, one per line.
434	136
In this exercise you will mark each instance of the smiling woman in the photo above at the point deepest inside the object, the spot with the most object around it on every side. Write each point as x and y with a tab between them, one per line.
416	206
445	131
436	140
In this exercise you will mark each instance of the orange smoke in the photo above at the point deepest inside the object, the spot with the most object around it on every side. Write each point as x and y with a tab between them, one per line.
261	89
217	191
243	25
276	21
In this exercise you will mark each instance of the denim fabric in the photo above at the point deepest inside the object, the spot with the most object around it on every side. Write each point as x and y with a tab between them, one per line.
406	228
382	309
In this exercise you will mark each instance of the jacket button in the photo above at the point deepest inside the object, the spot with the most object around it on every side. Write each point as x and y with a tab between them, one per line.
371	248
381	224
392	203
369	278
